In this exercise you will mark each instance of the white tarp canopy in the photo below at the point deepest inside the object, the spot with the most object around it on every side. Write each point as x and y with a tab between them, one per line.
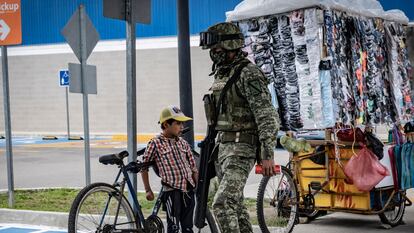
370	8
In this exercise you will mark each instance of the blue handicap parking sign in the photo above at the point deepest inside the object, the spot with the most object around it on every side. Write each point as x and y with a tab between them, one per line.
64	78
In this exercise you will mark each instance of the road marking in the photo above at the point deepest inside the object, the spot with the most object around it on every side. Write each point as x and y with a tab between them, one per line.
22	228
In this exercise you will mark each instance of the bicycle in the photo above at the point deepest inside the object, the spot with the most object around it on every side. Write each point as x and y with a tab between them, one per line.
101	207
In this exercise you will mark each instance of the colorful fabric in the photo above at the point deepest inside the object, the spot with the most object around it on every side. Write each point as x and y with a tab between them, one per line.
370	66
405	166
174	160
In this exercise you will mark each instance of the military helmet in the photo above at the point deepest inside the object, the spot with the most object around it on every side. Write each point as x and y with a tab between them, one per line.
224	35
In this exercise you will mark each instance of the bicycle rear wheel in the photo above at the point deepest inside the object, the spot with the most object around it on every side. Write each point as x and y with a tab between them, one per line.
95	209
277	205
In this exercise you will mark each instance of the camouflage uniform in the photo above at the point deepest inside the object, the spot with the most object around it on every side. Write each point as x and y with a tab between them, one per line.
246	111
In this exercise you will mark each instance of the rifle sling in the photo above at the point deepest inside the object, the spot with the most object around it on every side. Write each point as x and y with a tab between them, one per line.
232	80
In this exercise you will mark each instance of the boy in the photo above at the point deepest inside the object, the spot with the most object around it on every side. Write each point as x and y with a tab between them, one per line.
177	170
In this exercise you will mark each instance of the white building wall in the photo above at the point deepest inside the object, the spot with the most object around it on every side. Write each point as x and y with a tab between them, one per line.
38	103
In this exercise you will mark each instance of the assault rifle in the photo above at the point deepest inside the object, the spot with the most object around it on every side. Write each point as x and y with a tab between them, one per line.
206	173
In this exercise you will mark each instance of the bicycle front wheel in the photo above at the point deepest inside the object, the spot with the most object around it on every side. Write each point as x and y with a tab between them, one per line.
100	207
277	205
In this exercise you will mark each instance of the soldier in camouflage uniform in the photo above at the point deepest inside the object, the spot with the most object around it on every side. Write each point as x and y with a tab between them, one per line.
247	123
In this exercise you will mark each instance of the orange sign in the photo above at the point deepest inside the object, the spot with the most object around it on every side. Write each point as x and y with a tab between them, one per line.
10	22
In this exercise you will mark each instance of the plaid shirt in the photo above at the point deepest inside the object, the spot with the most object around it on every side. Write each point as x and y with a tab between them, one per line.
174	160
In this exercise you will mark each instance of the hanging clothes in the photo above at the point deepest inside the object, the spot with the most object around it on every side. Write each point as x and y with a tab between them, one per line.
369	76
336	31
313	37
305	36
399	66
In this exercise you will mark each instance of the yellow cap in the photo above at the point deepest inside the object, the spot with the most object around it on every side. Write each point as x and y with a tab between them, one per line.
173	112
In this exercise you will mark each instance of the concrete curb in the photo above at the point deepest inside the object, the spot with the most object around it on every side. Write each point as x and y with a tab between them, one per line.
40	218
46	219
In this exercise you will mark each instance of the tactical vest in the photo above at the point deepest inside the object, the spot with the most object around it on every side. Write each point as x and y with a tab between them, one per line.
235	113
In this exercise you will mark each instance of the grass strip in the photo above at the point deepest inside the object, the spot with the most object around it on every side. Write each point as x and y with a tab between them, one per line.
60	200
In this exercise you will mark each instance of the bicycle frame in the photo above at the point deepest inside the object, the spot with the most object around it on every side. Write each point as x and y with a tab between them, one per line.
157	204
139	216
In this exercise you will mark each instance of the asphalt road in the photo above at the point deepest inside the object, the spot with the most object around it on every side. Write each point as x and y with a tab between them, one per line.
62	165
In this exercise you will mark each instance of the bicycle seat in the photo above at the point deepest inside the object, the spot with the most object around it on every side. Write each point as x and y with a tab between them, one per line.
113	158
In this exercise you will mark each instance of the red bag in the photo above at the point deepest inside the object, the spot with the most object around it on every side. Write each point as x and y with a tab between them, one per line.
365	170
347	135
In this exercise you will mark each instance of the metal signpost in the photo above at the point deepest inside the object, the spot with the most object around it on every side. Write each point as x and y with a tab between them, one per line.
184	66
64	78
82	37
132	11
10	33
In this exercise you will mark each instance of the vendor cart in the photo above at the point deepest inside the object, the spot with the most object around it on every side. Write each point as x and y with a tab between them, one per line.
329	63
314	182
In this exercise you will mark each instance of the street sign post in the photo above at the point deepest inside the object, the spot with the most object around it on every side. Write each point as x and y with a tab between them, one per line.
64	79
132	11
82	37
10	34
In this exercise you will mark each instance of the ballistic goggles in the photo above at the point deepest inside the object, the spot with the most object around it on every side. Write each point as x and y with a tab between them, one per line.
208	39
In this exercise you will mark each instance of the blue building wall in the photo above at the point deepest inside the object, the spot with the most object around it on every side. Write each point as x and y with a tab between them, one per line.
42	20
405	5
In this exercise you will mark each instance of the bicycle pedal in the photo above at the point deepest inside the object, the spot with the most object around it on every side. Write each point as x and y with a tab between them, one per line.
316	185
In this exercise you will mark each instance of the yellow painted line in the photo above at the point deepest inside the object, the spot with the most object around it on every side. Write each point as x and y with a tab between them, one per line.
116	141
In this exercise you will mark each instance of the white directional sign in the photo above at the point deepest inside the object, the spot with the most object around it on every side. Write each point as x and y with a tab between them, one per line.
4	30
64	78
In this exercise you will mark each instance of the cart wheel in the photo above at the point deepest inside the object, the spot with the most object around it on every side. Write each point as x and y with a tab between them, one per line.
394	214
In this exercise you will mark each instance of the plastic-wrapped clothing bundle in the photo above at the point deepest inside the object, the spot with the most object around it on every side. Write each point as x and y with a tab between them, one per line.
373	80
398	65
306	42
289	73
341	83
279	79
358	67
328	118
272	91
313	27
